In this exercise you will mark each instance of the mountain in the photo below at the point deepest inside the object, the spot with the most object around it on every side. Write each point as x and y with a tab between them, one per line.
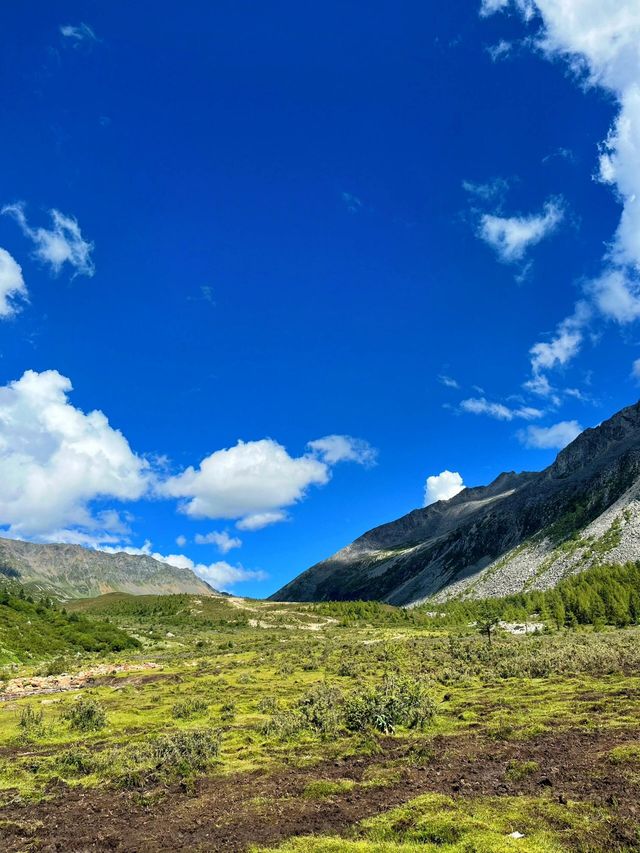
70	571
523	531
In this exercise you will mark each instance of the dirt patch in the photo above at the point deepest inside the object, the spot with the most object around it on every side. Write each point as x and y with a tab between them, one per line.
41	685
229	813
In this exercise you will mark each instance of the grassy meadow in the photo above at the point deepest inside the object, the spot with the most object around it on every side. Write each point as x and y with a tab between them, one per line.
230	724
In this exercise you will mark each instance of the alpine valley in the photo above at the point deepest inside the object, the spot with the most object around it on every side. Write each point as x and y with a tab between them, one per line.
522	532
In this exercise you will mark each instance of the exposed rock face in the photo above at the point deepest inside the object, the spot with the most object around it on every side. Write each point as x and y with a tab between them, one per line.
523	531
70	571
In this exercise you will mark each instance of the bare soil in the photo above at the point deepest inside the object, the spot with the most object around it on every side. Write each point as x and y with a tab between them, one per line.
228	813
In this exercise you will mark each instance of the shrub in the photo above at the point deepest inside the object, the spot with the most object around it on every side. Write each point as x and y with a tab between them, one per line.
397	701
322	709
31	723
228	711
188	708
85	715
283	725
76	761
186	751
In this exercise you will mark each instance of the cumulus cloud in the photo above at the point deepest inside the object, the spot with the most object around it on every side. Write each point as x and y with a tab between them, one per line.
12	286
512	236
482	406
55	460
251	477
61	244
552	437
255	480
441	487
220	575
344	448
181	541
635	370
220	539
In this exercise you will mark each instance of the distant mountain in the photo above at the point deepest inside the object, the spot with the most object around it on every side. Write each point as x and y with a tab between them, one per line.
70	571
524	531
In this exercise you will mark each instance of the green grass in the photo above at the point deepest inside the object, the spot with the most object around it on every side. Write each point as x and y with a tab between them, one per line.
437	823
209	708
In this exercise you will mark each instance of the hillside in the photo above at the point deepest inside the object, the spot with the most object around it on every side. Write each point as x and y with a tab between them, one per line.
70	571
37	629
522	532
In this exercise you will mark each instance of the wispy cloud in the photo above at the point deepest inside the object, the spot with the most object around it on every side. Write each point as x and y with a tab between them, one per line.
352	202
448	381
76	34
482	406
553	437
61	244
512	236
600	42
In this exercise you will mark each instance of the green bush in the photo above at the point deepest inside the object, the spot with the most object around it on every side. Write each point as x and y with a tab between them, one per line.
397	701
189	708
31	723
85	715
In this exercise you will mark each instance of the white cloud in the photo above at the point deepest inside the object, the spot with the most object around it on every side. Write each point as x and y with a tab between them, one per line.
511	236
600	41
441	487
482	406
220	575
500	50
490	7
60	244
488	191
252	477
540	385
12	286
255	480
448	381
220	539
223	576
553	437
617	294
559	351
635	370
261	519
55	460
344	448
78	33
181	541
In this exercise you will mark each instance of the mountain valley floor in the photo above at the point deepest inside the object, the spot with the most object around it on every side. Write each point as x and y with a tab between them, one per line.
241	725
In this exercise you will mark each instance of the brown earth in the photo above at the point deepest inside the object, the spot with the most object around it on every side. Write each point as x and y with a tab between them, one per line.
228	813
42	685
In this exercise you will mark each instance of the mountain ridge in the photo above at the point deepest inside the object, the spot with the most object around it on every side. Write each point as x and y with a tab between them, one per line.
500	538
72	571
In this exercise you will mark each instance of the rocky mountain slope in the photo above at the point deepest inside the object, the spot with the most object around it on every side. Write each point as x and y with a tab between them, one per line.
523	531
70	571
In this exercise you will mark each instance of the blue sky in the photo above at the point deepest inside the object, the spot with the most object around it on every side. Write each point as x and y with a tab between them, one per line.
410	230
